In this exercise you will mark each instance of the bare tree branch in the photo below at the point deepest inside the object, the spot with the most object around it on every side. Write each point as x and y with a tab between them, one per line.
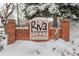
10	12
7	13
7	8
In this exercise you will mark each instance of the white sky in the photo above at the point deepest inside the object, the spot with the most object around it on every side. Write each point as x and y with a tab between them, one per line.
2	1
39	1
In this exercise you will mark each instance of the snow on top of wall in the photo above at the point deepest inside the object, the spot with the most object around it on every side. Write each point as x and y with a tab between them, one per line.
21	27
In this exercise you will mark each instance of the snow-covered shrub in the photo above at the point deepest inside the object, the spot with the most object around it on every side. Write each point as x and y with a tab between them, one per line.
31	10
42	7
40	10
3	38
53	9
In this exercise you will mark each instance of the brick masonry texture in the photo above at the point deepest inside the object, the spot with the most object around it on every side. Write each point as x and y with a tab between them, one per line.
24	34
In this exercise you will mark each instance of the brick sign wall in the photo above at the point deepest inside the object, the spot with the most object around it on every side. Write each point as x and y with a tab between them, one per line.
17	33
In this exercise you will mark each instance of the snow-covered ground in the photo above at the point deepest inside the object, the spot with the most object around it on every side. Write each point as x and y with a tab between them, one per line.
50	48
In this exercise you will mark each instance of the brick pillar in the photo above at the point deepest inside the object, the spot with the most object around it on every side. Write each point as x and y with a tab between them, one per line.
52	31
65	30
10	28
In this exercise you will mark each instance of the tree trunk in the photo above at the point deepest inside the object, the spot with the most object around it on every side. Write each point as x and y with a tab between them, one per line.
18	15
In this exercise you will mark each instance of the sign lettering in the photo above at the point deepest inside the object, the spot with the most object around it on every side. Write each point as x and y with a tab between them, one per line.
39	29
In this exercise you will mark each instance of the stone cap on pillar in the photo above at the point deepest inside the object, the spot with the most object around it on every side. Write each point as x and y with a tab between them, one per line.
10	20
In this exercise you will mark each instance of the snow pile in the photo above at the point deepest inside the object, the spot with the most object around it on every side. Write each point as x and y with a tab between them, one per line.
34	48
3	41
52	47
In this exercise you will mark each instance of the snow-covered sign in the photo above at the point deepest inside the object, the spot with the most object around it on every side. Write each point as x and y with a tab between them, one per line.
39	29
